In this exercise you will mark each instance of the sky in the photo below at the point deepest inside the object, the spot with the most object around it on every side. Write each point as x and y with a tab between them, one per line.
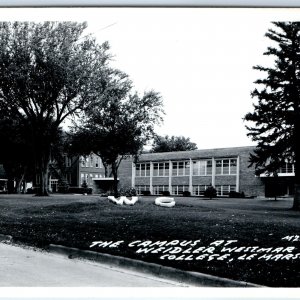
199	59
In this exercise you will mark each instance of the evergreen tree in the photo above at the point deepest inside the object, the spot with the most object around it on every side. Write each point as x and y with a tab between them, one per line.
277	113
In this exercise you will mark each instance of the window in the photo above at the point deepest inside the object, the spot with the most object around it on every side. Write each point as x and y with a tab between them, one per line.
68	161
202	167
142	170
198	190
155	169
82	178
287	168
159	189
226	166
160	169
219	167
179	189
224	190
82	160
209	167
142	188
91	161
181	168
233	166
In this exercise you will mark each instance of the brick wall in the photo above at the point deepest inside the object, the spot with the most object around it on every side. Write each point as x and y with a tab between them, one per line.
249	184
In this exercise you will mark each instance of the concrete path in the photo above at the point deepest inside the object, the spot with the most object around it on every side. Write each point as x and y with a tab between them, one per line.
27	267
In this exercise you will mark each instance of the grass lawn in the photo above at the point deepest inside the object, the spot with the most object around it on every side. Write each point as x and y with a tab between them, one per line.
78	221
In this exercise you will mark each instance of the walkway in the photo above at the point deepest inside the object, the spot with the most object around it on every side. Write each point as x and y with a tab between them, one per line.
27	267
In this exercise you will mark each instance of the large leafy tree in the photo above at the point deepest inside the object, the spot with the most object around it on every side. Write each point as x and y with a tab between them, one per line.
119	124
15	151
276	115
173	143
48	73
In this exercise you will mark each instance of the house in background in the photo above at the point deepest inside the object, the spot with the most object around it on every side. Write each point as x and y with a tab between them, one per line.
76	171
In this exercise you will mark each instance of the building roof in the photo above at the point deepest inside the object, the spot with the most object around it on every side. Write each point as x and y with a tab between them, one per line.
197	154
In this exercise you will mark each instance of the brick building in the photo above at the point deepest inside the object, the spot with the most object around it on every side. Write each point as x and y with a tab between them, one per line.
226	169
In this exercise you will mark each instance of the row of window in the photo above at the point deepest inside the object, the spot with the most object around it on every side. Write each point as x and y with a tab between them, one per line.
182	168
198	190
91	161
287	168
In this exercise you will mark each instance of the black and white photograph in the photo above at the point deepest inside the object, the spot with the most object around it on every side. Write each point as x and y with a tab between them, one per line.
150	147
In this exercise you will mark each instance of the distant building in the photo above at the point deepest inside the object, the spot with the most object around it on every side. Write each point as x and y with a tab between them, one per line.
227	169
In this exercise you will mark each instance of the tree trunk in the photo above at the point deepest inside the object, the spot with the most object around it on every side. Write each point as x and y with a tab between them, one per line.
105	170
44	172
10	186
114	170
19	185
296	203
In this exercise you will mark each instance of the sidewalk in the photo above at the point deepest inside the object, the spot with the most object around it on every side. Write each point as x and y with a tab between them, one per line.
27	267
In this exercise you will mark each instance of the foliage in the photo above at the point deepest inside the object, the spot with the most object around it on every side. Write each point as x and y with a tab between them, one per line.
233	194
146	193
15	151
84	185
119	124
48	73
210	192
186	194
276	115
127	191
173	143
165	193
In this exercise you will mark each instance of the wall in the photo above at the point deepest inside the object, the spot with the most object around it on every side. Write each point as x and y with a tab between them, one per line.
248	182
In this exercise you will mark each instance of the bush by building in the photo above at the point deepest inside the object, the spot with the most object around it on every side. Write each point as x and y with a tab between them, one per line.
234	194
186	194
210	192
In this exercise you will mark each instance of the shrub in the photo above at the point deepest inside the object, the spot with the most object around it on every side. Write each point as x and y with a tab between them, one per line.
210	192
29	191
127	191
165	193
146	193
234	194
80	190
33	190
186	194
63	187
84	185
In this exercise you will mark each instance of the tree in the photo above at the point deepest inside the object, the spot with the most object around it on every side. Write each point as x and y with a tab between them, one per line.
119	124
48	73
173	143
210	192
276	115
15	151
